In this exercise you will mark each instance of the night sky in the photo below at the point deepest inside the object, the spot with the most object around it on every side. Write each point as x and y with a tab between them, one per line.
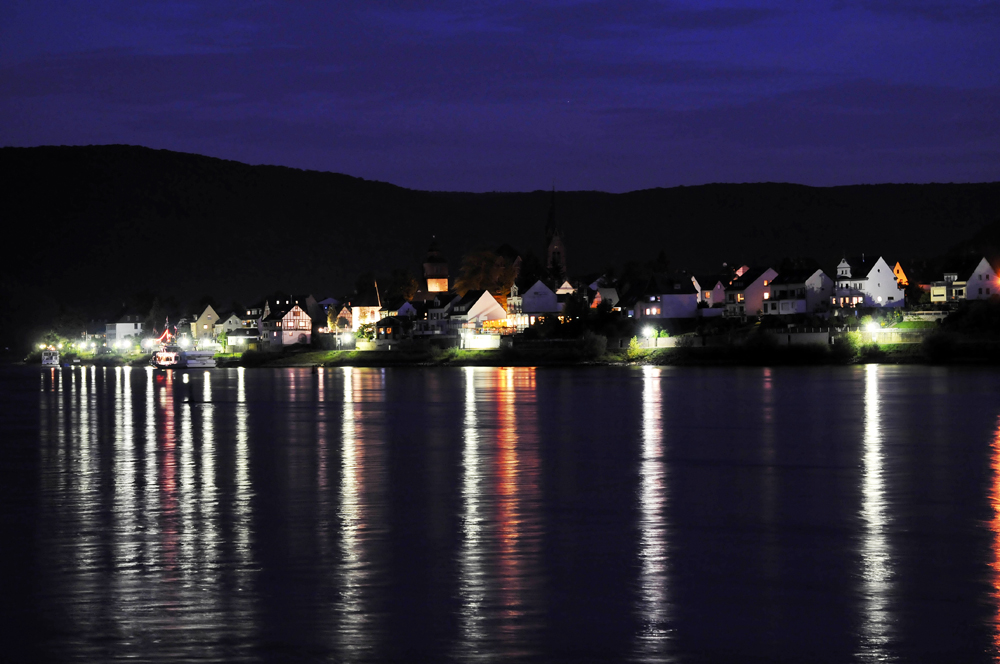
482	96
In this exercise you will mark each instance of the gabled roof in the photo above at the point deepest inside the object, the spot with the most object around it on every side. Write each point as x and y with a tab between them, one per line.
394	304
442	300
669	284
709	281
963	268
249	332
469	299
131	318
366	300
542	284
743	282
276	315
862	265
794	276
393	321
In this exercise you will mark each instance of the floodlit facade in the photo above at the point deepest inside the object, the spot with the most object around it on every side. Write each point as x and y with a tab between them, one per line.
862	282
976	280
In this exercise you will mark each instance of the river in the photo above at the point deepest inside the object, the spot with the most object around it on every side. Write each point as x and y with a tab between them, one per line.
640	514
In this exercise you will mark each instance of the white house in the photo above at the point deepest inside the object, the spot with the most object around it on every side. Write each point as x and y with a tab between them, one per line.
976	280
711	289
227	324
867	282
668	296
798	292
129	325
476	307
286	327
747	293
539	300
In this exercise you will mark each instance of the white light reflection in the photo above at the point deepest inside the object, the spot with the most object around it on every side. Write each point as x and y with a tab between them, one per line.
209	499
653	642
188	536
242	517
352	610
472	576
124	543
876	568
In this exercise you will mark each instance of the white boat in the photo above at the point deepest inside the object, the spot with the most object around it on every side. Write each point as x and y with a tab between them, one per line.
199	358
50	358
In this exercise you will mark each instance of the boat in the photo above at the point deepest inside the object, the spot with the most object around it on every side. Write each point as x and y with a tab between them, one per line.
174	357
168	357
50	358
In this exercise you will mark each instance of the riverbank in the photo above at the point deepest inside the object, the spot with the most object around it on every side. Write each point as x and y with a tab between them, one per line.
940	352
942	349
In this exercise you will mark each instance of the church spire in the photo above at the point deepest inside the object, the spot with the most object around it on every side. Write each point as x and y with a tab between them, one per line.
555	251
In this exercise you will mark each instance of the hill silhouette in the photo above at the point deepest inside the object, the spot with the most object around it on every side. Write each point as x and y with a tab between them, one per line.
90	226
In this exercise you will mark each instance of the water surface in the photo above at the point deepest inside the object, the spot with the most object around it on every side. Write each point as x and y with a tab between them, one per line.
502	514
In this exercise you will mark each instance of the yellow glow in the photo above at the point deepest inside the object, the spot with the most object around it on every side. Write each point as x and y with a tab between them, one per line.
437	285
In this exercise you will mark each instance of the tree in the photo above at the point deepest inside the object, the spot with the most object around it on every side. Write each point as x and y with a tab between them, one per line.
485	270
532	270
401	284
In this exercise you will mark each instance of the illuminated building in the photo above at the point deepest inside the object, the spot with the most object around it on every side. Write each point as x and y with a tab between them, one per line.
435	270
866	283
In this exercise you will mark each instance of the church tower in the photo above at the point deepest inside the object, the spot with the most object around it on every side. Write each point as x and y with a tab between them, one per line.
555	253
435	269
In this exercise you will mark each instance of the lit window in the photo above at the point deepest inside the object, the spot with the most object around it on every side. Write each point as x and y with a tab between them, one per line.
767	296
765	282
206	326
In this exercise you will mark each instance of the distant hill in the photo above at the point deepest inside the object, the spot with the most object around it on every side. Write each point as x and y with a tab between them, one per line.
94	224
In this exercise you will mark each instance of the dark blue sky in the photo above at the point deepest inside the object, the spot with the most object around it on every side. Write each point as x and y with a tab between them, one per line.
481	96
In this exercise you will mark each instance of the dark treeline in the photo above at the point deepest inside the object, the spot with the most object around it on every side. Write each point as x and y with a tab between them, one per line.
92	229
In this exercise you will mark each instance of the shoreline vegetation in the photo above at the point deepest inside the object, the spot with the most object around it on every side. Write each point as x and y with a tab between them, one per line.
848	350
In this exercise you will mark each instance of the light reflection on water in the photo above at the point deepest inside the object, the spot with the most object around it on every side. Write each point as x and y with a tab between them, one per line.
654	539
876	553
181	516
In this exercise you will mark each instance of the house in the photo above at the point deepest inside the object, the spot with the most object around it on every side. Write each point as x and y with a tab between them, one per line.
398	307
436	321
862	282
901	278
474	308
667	296
539	301
253	315
711	289
477	316
203	327
126	329
798	292
365	309
971	280
286	327
245	338
227	323
746	293
603	295
393	329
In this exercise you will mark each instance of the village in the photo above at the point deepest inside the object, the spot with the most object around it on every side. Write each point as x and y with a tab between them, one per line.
482	307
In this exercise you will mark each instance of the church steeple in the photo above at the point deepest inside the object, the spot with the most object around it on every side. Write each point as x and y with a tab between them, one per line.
555	251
